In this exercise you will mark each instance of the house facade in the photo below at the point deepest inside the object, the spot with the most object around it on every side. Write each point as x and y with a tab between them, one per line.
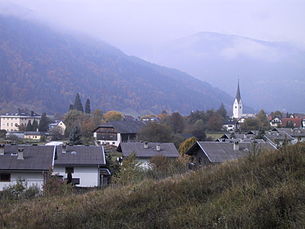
29	164
85	165
12	121
113	133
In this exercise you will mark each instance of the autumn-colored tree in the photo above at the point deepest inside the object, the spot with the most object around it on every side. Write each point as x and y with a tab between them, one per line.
263	120
113	116
215	121
198	130
155	132
186	145
176	122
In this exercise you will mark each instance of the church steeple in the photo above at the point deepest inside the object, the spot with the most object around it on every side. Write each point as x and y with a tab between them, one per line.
238	93
237	105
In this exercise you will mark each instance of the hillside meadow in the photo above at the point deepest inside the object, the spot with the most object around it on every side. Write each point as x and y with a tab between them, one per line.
260	191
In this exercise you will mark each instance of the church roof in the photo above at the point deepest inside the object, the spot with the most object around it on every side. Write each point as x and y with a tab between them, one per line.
238	97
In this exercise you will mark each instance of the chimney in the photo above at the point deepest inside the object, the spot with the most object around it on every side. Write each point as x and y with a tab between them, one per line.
1	149
64	148
158	147
145	145
236	146
20	154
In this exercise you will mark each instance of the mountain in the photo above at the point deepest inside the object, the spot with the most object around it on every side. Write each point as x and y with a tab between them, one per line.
271	74
260	191
43	69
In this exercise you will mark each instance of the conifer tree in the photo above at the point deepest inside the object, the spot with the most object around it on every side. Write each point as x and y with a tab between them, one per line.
87	107
28	126
35	125
44	123
78	103
75	136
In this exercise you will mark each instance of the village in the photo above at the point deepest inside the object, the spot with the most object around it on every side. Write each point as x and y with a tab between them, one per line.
34	147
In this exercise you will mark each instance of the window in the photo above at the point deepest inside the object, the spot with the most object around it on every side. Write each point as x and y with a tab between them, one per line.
69	170
235	106
5	177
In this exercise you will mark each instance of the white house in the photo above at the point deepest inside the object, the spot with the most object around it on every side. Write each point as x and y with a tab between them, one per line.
29	164
60	125
84	164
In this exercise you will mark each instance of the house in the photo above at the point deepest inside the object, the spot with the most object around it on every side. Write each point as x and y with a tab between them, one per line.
34	135
230	125
292	122
29	164
277	138
297	133
60	125
276	122
84	164
113	133
206	153
13	121
145	151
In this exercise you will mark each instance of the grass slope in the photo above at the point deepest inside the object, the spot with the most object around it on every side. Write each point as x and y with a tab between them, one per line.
264	191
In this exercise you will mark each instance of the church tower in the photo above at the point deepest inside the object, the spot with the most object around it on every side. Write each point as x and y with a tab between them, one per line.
237	105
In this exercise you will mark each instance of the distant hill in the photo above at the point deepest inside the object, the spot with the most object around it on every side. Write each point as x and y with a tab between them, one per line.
261	191
42	69
272	74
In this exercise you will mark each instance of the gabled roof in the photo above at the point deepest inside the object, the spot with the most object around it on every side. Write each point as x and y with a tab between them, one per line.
295	132
166	149
124	126
35	158
80	155
218	152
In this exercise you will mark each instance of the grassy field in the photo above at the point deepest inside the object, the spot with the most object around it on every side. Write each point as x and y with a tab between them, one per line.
262	191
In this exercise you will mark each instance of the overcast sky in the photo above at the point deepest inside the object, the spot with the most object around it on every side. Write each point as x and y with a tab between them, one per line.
139	22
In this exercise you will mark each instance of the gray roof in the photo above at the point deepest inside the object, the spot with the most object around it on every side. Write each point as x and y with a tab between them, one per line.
218	152
124	126
35	158
166	149
276	135
295	132
80	155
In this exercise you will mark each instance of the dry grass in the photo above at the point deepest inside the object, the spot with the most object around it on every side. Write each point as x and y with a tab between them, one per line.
265	191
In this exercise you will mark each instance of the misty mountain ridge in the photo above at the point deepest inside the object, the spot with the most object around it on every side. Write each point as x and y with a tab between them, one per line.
43	70
271	74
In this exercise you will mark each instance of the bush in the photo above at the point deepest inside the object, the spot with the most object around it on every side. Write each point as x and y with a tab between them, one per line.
55	186
19	191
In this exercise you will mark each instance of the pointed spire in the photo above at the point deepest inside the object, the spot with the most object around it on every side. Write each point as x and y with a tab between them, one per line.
238	93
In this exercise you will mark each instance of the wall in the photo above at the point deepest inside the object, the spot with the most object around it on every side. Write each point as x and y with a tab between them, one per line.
30	179
89	176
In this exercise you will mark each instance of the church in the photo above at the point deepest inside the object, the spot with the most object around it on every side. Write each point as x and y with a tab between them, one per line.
238	107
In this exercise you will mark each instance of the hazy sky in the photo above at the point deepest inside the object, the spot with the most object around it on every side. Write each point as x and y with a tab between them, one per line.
126	23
